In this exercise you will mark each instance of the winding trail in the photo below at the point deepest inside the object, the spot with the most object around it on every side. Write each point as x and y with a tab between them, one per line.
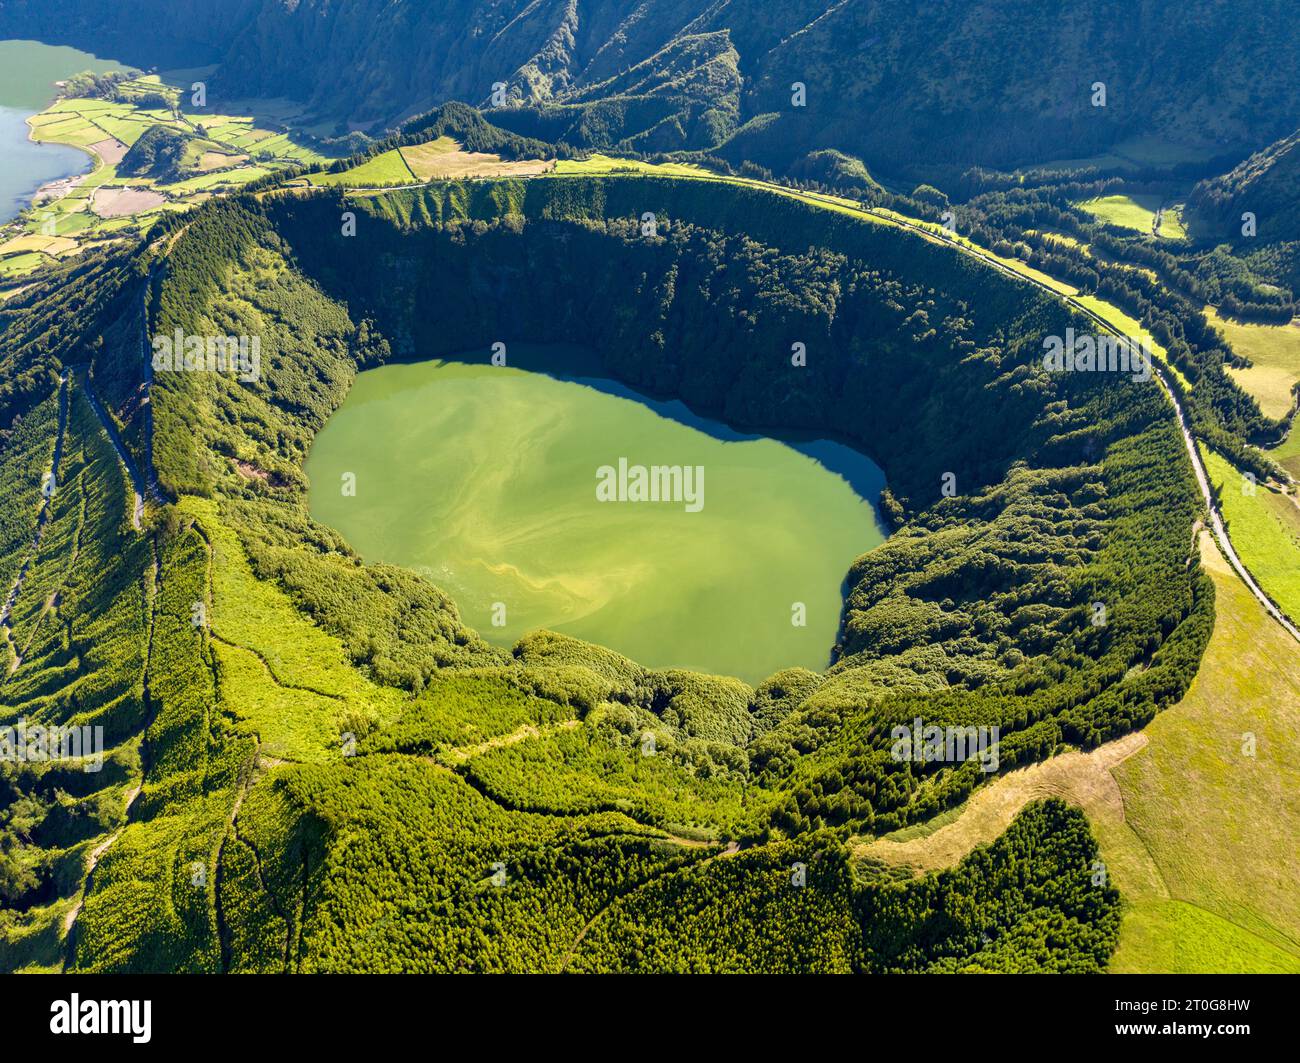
457	755
723	853
146	399
70	918
143	483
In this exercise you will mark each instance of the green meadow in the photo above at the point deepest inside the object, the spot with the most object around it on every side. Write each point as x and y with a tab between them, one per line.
1274	352
1265	530
1136	212
382	171
1205	854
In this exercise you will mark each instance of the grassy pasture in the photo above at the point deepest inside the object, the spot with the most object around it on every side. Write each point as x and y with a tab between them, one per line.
19	265
76	130
1211	812
386	170
50	245
1135	153
443	158
1137	212
1288	454
1265	530
1274	351
222	179
602	164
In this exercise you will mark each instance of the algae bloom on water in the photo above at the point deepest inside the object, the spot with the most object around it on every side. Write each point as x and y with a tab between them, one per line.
573	504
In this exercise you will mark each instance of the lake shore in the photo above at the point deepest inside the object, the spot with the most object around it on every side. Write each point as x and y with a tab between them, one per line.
34	172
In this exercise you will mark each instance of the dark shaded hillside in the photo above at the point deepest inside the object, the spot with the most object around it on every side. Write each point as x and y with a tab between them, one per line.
1267	185
907	87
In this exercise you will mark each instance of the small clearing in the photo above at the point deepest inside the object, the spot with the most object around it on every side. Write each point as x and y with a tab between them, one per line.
124	202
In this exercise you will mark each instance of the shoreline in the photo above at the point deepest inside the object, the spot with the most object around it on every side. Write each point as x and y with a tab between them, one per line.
51	191
71	181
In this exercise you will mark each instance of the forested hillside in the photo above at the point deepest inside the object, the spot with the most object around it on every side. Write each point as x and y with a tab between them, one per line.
1266	185
907	88
318	766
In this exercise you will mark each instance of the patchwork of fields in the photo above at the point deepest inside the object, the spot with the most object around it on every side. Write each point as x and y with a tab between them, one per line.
223	152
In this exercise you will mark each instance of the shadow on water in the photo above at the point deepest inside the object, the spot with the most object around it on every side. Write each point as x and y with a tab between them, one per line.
577	365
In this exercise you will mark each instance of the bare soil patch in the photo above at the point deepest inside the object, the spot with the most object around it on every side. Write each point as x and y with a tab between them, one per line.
123	202
219	160
54	190
112	151
429	165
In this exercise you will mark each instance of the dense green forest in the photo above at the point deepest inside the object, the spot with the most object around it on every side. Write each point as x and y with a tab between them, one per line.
307	762
159	153
317	766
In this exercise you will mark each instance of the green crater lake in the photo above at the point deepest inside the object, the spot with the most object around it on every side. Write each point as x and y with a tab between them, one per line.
484	479
28	72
